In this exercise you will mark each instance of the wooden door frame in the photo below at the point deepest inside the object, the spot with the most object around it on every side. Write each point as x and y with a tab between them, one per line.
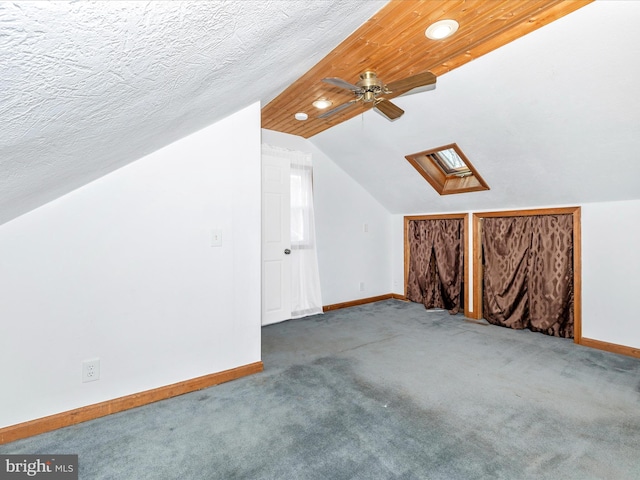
577	259
465	235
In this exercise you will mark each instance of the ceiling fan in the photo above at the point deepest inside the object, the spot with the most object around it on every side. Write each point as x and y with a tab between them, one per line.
370	89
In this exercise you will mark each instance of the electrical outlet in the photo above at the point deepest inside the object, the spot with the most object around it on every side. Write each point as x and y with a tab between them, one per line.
362	286
91	370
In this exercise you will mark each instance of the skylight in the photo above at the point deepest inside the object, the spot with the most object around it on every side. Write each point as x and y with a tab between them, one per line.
448	170
450	161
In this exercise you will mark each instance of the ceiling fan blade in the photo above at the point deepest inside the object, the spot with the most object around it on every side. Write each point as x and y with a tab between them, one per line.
409	83
413	91
338	108
388	109
338	82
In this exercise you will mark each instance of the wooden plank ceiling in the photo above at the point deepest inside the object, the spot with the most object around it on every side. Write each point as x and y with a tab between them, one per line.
393	44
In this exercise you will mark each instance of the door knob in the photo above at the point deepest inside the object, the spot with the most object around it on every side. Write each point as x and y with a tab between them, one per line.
287	251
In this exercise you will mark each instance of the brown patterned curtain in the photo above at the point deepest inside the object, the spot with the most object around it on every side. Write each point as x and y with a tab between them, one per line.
436	263
528	273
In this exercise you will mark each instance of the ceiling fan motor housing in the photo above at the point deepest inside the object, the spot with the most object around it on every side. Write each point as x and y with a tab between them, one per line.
370	85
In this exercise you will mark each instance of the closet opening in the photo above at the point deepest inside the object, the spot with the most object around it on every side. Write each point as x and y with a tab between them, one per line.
436	271
527	270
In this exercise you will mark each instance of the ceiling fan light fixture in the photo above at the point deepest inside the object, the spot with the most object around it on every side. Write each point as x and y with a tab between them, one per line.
441	29
322	103
301	116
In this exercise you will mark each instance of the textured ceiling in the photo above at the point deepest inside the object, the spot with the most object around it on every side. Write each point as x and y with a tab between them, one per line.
87	87
552	118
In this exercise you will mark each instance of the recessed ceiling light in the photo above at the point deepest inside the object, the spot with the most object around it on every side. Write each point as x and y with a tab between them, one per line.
441	29
322	103
301	116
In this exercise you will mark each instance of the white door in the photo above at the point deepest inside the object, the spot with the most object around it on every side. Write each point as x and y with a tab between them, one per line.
276	242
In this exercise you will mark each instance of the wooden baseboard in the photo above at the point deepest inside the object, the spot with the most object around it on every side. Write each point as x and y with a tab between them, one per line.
363	301
90	412
610	347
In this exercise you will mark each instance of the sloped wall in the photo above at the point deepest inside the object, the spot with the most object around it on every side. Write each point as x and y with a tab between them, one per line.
123	269
347	255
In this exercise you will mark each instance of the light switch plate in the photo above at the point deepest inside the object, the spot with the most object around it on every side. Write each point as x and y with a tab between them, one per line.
216	237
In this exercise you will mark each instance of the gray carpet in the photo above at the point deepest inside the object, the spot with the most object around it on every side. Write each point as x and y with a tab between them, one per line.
383	391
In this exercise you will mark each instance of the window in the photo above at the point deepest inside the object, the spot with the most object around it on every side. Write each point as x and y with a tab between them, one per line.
300	206
450	162
447	170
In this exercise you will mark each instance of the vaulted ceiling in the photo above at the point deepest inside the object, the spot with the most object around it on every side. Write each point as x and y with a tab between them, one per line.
393	44
550	118
87	87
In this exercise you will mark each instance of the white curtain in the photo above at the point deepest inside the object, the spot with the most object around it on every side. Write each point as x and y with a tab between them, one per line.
305	278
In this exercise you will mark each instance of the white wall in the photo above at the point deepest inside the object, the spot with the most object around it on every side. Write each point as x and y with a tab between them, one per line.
346	254
610	266
397	253
611	272
122	269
